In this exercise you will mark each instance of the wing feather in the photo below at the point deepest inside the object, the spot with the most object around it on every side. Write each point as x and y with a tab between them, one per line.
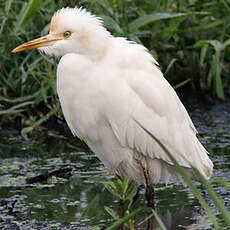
154	104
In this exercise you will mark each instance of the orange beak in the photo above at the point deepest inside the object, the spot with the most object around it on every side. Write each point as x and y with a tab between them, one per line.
47	40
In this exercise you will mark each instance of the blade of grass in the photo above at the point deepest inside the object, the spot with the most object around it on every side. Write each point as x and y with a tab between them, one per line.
19	99
7	8
125	184
204	26
111	24
110	186
218	80
216	72
126	218
148	18
33	6
22	105
20	17
203	54
27	12
38	122
187	180
225	214
158	219
111	212
224	183
15	109
146	219
172	28
170	65
10	112
182	83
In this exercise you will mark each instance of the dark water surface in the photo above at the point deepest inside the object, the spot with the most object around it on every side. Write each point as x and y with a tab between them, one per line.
76	200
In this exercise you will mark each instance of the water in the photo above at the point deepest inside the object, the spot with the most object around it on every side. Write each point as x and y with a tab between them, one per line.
58	199
77	201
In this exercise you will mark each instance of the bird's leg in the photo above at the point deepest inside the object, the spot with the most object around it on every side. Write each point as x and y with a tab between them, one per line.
149	190
117	177
149	194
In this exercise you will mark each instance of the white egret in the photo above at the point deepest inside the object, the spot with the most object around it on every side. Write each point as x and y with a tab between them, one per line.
107	87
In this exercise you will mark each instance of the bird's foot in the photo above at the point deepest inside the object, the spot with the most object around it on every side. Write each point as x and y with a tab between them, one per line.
150	196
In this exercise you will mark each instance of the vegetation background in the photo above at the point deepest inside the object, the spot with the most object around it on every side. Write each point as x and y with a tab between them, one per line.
189	38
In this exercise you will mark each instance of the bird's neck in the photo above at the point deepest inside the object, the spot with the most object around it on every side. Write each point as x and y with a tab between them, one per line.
101	54
99	49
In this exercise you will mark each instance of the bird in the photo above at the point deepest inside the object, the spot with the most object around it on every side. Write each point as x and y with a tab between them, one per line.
110	88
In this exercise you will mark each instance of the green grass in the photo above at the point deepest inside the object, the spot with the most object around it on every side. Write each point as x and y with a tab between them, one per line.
162	27
188	38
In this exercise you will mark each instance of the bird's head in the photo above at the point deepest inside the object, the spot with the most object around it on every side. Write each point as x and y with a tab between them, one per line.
72	30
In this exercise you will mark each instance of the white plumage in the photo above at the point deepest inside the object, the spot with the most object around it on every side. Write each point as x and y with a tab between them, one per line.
107	87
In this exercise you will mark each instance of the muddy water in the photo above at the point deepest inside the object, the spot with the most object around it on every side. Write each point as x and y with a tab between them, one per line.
69	193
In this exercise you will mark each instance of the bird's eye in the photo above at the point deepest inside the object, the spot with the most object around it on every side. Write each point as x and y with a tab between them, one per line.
67	34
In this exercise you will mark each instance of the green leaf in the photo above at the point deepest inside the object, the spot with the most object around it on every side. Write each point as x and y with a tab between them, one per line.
159	221
111	24
38	122
223	210
28	10
205	26
149	18
226	43
125	219
32	7
22	105
104	3
218	80
91	209
224	183
131	192
8	6
216	69
15	109
111	212
10	112
125	184
19	99
217	45
111	187
134	38
97	228
119	186
26	130
171	63
172	28
182	83
219	85
201	43
203	54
